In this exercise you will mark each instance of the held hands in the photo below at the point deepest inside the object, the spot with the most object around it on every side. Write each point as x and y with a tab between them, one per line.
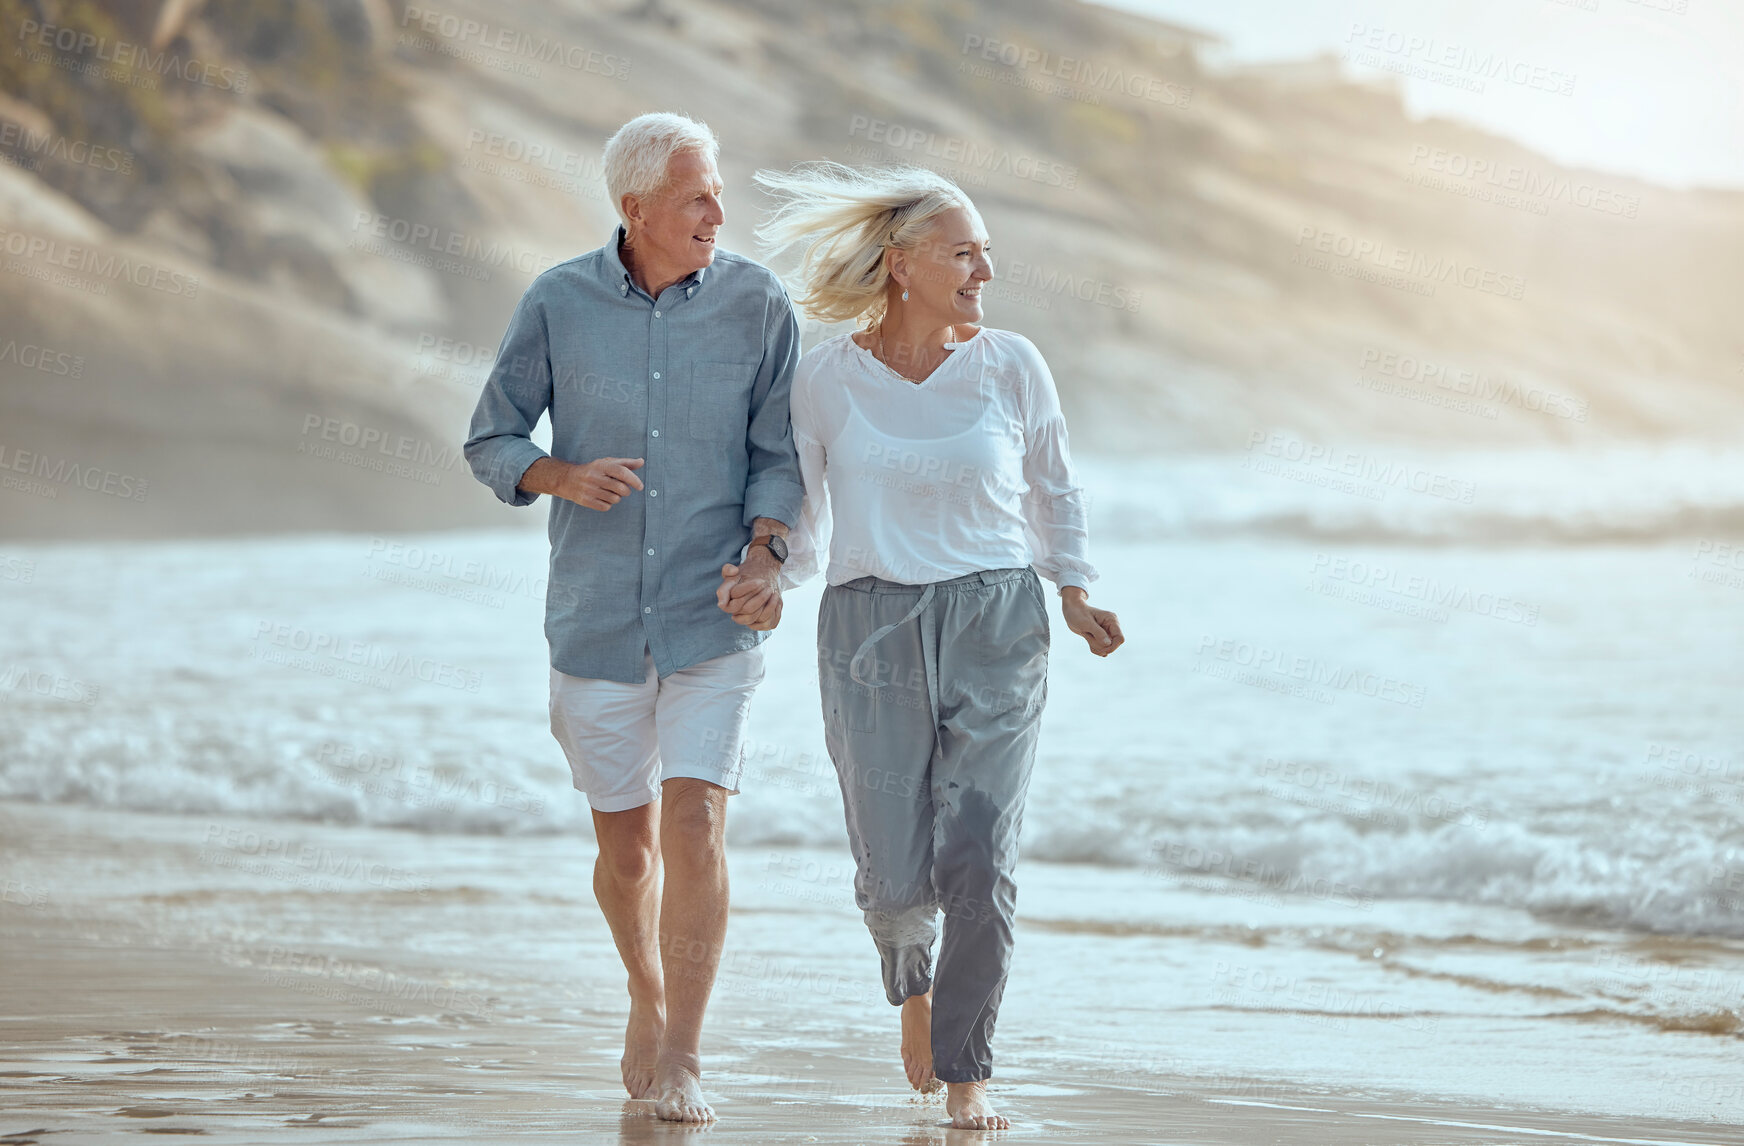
1100	628
752	592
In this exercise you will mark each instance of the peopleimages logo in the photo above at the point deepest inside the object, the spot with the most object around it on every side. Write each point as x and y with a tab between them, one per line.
417	451
510	42
104	264
534	153
432	569
66	472
32	357
1525	181
16	680
1472	383
363	662
980	158
405	237
348	980
1356	465
1098	76
1435	59
1050	281
1428	590
1313	672
35	147
1387	256
77	42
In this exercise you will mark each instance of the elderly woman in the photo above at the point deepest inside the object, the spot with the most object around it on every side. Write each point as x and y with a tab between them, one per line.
937	476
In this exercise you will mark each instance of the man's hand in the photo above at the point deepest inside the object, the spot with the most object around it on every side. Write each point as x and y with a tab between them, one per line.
600	484
1100	628
752	592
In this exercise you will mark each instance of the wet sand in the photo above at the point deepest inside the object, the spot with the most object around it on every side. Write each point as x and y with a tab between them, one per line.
240	981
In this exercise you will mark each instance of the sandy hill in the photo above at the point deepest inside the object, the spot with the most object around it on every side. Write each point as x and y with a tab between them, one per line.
281	240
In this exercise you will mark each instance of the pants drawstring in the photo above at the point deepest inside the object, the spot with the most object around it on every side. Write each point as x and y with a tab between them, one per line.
865	648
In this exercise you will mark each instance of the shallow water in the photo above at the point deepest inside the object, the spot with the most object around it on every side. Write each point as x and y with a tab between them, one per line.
1437	815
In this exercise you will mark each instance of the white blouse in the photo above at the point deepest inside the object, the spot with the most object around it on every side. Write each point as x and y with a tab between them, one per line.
919	482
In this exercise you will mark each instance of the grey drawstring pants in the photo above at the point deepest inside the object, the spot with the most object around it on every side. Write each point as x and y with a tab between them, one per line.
932	699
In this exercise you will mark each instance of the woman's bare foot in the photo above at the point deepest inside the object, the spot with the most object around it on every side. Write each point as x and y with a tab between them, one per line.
966	1103
917	1042
642	1048
679	1083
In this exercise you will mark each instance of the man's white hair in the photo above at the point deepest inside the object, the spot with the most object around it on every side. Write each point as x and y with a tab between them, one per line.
638	153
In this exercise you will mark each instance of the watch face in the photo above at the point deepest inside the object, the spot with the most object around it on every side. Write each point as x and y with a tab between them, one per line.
778	546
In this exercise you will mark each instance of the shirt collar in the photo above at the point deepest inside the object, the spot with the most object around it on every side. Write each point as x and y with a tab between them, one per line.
618	275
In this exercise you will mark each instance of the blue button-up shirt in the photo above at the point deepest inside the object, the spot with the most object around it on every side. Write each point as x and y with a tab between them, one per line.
695	382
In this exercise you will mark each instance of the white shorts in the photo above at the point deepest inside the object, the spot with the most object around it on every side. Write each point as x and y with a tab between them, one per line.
624	740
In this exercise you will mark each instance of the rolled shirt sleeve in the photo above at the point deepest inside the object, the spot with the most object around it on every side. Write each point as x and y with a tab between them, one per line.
499	446
809	540
694	380
772	487
1055	507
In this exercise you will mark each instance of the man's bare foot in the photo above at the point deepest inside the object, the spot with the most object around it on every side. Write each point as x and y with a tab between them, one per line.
966	1103
680	1093
642	1048
917	1042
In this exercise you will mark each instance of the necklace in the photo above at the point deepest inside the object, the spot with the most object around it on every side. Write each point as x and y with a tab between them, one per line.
951	344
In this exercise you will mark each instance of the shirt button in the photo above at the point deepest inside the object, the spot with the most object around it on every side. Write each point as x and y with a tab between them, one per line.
650	553
656	314
647	608
653	493
654	433
656	373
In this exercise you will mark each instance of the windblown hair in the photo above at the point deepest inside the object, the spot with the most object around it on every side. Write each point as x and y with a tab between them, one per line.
637	154
845	218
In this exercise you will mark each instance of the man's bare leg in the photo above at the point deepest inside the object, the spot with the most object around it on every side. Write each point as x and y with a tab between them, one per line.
693	925
626	882
917	1043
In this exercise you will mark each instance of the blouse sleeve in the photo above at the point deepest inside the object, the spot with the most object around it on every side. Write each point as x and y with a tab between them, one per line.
809	541
1055	506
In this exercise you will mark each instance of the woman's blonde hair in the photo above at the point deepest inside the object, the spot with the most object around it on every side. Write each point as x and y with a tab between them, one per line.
846	217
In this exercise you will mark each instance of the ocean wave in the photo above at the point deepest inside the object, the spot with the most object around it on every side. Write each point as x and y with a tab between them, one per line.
1302	489
1642	875
131	680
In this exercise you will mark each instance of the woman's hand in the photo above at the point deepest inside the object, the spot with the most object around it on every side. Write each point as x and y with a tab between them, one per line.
752	592
1100	628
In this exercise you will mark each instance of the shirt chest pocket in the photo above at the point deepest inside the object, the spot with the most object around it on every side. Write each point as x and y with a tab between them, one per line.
720	399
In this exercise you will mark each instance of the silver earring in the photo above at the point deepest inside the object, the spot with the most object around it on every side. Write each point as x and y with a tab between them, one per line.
904	294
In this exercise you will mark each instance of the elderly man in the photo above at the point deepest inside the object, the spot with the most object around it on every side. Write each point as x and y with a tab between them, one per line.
665	366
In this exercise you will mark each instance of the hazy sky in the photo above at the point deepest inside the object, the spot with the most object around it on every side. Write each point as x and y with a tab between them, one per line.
1654	86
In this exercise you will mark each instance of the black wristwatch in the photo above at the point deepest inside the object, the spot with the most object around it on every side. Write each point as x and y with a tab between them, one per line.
777	546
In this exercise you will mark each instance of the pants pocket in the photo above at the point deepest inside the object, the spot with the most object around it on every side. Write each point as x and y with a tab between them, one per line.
1041	599
846	703
1011	640
855	706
